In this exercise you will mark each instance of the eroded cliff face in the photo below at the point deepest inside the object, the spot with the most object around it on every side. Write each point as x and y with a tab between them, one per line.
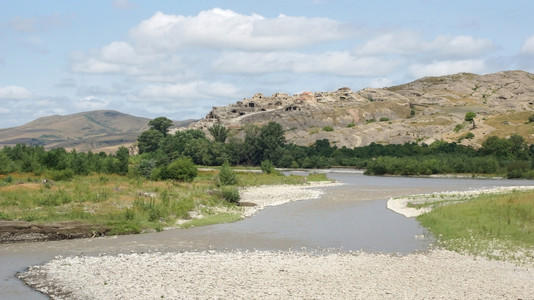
428	109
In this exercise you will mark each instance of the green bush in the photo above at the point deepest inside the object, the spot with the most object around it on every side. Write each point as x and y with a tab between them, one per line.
351	125
328	128
383	119
226	175
8	179
230	194
458	127
469	135
268	167
531	119
182	169
61	175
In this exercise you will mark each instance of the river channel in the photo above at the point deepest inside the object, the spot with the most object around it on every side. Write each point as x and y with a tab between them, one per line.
350	217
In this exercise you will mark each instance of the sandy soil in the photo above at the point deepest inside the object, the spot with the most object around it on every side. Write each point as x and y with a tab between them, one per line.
437	274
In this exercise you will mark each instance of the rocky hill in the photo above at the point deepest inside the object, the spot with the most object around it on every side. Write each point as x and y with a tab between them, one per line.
425	110
102	130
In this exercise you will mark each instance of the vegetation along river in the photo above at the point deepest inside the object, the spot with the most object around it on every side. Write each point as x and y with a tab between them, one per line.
348	217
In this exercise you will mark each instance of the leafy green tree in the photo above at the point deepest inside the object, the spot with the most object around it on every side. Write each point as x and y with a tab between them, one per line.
123	157
470	117
252	147
219	132
149	141
78	163
494	145
160	124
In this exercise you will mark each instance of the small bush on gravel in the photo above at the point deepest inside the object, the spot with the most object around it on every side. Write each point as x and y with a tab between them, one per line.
230	194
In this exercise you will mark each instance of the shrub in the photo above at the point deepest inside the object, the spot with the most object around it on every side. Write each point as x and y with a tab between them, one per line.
268	168
226	175
145	167
182	169
61	175
458	127
8	179
230	194
328	128
351	125
469	135
531	119
383	119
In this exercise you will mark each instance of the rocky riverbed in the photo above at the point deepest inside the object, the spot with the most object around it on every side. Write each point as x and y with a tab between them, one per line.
438	274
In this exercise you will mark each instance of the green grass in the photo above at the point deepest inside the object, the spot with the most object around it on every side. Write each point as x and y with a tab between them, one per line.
496	226
125	204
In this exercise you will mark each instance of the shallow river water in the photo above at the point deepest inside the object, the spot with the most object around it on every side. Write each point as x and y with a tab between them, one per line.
349	217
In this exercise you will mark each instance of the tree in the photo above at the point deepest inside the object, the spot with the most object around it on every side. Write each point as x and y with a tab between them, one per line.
160	124
219	132
149	140
470	117
123	156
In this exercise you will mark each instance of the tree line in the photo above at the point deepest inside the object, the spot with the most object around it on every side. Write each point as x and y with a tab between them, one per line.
164	155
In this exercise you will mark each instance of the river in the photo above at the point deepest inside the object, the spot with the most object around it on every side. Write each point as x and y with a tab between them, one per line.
350	217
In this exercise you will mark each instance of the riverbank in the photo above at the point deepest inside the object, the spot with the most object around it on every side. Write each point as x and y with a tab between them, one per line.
416	205
275	275
279	274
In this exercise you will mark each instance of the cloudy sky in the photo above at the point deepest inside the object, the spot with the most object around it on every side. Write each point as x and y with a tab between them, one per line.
179	58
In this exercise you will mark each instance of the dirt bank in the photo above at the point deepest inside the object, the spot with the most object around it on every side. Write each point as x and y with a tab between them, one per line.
21	231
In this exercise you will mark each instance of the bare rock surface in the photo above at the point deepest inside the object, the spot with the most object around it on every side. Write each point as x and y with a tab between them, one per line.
425	110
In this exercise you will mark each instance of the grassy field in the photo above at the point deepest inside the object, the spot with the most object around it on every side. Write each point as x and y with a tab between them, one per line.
126	204
495	226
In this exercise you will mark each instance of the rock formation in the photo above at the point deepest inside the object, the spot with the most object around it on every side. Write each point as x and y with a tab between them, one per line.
425	110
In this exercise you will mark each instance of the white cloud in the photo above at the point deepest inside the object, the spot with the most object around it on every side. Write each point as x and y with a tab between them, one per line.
13	92
404	42
440	68
91	103
218	28
380	82
459	46
121	58
335	62
411	43
187	91
528	46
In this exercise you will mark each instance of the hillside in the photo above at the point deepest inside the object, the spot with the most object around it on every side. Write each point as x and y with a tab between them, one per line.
97	131
425	110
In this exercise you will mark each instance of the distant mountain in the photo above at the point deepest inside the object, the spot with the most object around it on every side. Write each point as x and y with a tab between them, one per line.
102	130
422	111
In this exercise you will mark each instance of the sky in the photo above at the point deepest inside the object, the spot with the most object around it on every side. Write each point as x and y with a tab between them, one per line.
178	59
